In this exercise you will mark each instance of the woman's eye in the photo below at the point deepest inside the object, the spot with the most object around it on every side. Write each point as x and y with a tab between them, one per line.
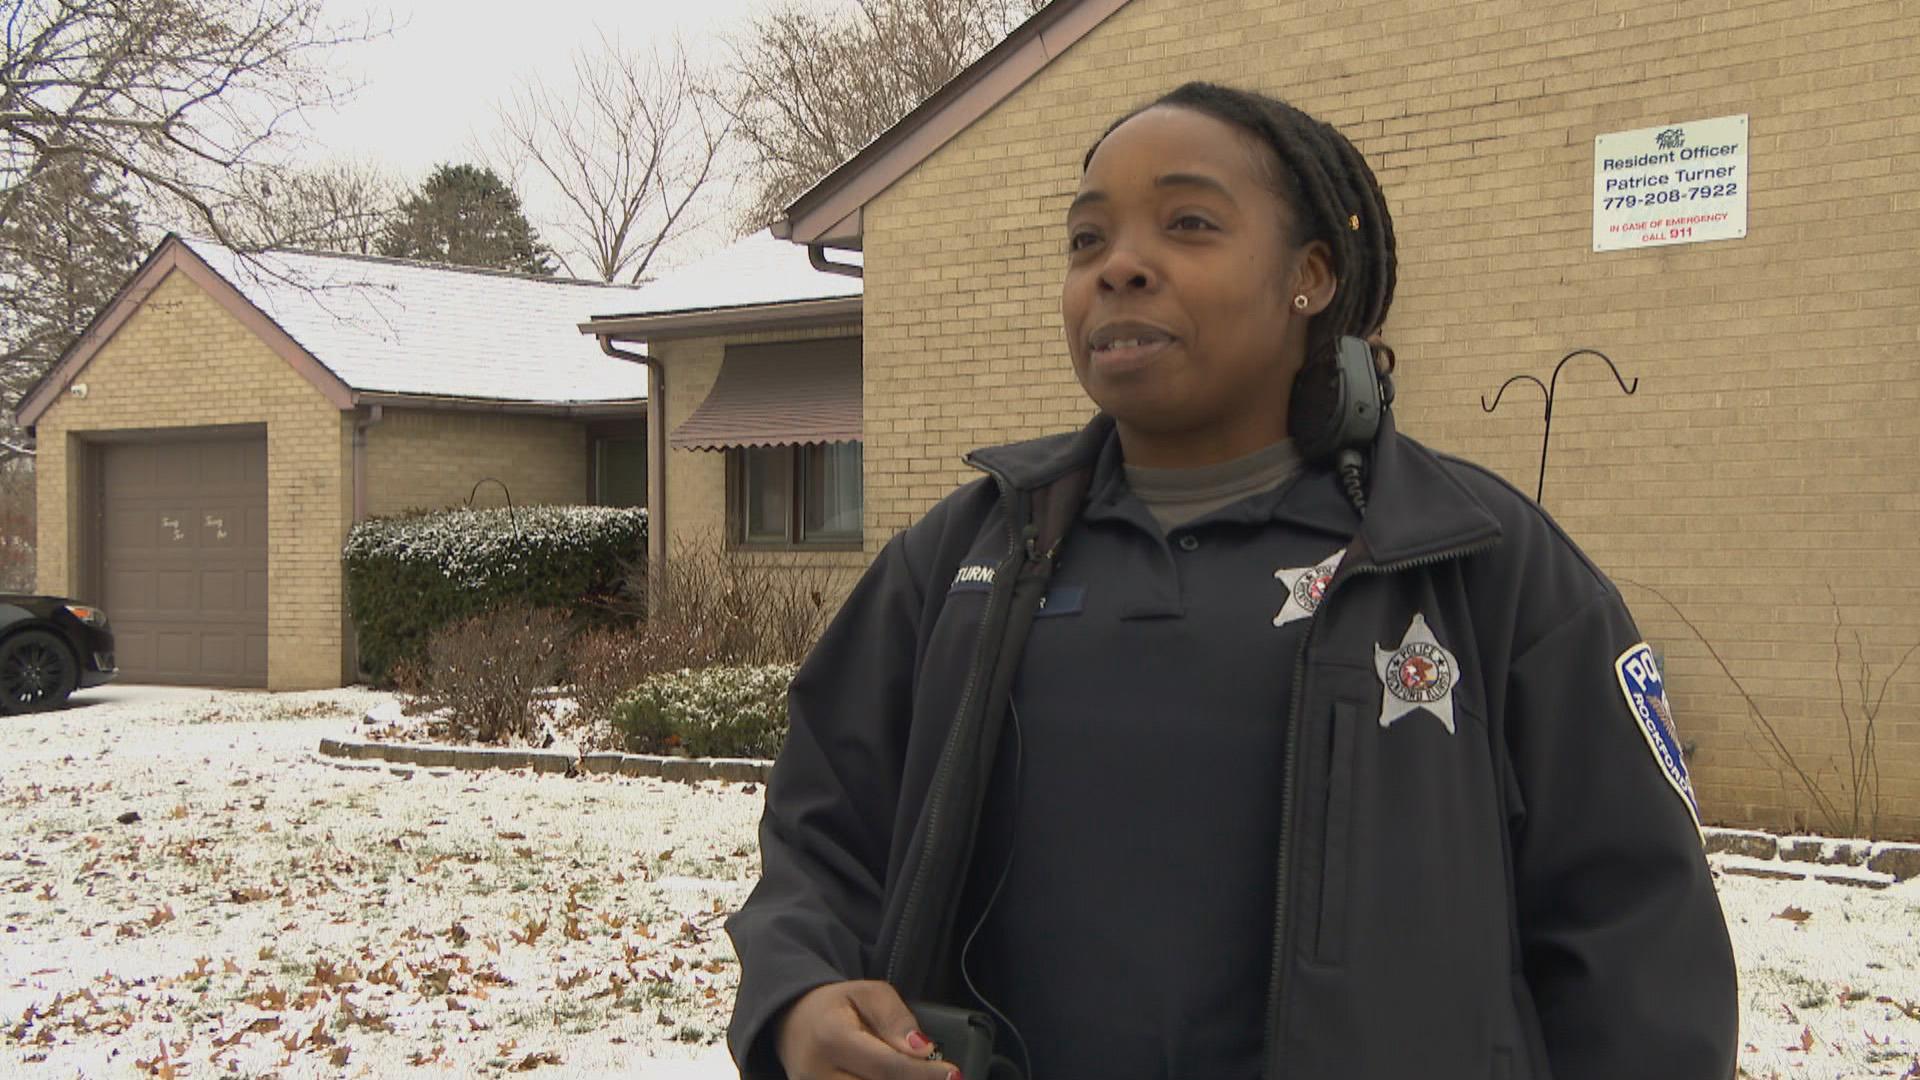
1081	239
1191	222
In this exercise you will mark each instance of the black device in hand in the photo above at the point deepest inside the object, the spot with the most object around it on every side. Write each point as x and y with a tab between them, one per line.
965	1038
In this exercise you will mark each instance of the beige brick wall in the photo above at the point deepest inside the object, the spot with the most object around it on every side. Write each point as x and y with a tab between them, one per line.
183	361
1769	455
419	460
697	479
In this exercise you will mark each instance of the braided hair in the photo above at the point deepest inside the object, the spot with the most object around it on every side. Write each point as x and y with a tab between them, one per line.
1334	197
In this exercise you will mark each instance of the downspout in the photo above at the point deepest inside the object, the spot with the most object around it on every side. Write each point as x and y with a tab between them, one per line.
364	417
817	255
656	455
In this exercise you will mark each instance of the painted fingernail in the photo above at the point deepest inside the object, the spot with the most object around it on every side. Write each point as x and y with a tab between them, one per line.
918	1043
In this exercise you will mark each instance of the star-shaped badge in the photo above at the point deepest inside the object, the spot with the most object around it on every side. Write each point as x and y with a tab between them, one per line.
1306	585
1420	674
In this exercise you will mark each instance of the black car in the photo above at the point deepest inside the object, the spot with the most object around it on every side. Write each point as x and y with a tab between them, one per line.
50	646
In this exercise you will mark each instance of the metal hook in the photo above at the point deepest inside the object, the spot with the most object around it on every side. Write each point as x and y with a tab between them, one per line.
1548	391
512	518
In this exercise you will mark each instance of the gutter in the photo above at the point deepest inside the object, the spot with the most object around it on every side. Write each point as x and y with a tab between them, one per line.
656	454
570	410
756	318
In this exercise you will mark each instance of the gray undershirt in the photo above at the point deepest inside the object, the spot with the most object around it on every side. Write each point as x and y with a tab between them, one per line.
1176	496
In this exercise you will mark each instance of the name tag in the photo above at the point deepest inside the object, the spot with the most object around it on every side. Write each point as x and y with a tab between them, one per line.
973	577
1062	600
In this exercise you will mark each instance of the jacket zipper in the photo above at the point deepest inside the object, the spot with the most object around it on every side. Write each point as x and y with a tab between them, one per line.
1003	587
1290	768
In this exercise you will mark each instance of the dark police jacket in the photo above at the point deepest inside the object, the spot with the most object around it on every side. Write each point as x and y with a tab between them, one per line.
1488	865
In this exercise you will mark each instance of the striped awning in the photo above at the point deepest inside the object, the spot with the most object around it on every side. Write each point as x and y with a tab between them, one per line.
790	392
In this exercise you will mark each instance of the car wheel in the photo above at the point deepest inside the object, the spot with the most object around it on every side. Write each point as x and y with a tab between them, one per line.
37	672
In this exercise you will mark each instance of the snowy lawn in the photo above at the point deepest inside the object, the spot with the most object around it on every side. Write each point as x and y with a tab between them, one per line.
267	914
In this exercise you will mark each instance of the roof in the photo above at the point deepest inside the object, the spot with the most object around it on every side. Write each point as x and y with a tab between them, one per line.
830	212
759	270
761	282
395	326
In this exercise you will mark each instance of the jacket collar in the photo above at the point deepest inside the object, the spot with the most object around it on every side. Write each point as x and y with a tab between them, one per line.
1416	507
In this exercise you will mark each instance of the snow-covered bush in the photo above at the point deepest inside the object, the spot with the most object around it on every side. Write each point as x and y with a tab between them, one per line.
709	712
407	576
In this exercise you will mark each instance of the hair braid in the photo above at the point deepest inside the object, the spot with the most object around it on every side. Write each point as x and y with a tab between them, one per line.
1334	196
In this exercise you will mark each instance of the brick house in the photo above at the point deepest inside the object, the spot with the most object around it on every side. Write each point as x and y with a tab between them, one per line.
1760	485
205	446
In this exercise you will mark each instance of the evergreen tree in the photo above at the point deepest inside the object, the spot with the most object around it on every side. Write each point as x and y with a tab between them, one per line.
465	215
70	243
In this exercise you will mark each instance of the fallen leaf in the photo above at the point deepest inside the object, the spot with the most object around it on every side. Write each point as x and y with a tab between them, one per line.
1793	914
536	1059
511	835
129	818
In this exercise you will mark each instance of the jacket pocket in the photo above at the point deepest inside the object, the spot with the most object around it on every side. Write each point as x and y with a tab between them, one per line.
1336	852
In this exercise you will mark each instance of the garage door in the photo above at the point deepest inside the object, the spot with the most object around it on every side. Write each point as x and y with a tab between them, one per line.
183	550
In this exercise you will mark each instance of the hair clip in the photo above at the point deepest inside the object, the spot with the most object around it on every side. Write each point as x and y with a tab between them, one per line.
1353	222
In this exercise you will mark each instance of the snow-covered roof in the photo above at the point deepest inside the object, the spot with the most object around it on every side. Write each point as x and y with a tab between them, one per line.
756	271
401	327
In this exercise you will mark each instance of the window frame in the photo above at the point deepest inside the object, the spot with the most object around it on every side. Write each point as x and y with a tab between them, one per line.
796	458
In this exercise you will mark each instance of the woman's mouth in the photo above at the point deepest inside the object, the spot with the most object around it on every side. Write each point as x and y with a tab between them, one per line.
1127	348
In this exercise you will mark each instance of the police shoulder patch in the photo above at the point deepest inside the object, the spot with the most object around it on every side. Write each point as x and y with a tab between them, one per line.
1646	693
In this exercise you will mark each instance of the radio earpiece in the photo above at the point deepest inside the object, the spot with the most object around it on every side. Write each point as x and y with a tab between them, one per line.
1335	411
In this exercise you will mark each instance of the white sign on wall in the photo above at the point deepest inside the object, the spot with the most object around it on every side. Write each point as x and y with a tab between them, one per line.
1674	184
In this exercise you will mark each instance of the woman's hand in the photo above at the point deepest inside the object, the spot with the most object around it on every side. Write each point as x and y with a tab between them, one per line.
856	1031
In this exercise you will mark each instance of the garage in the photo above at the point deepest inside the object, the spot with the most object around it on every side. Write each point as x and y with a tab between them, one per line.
183	558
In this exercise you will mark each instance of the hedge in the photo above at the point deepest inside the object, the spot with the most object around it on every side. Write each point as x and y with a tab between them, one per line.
708	712
409	575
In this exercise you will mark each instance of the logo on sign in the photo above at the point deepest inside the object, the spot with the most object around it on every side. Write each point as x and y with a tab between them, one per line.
1671	139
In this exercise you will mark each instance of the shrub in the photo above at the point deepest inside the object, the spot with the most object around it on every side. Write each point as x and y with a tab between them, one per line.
408	576
716	607
605	664
711	712
728	607
485	672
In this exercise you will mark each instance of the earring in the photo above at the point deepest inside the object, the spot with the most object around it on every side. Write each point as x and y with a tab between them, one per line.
1300	302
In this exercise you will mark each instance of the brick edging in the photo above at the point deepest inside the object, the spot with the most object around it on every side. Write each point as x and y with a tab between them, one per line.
737	770
1896	860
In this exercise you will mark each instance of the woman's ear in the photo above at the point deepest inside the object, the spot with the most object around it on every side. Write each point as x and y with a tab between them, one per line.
1313	278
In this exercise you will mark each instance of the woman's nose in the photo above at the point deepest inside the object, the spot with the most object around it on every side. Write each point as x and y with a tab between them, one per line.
1125	270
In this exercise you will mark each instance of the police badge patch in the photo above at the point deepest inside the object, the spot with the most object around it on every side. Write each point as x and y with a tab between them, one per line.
1306	586
1646	691
1420	674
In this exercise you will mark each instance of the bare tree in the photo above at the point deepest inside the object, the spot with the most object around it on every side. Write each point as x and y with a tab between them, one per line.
812	89
186	100
338	206
631	150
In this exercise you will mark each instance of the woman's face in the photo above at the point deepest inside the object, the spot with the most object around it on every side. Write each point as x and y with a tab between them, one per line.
1178	300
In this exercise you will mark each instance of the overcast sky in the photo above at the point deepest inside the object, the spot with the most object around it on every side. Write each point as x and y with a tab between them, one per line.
428	90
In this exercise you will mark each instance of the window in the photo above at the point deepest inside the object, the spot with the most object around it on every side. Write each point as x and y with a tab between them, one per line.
617	464
785	496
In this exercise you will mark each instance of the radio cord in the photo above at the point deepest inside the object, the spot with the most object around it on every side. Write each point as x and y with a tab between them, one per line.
1347	463
1013	817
